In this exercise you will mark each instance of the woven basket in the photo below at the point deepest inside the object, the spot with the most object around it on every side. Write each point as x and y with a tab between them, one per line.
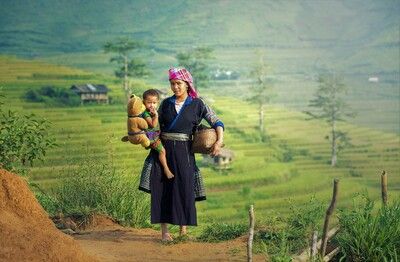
203	140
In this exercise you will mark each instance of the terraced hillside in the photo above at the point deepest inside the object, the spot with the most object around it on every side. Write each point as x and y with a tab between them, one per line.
293	166
274	178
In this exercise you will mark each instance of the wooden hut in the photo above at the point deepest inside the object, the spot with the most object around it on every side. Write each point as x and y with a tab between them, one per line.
91	93
222	160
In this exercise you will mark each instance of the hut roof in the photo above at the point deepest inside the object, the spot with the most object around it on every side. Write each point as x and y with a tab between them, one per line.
89	88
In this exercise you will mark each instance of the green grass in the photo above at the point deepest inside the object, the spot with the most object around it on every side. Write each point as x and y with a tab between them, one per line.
380	242
93	185
216	232
259	169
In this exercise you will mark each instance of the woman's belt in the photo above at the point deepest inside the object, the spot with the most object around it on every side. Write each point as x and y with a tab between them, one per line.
175	136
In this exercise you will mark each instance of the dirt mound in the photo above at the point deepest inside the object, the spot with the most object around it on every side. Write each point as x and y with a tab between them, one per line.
101	222
26	232
79	223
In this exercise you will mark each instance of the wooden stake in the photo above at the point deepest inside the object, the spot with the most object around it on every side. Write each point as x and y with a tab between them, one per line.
305	255
313	251
384	187
329	212
251	235
333	253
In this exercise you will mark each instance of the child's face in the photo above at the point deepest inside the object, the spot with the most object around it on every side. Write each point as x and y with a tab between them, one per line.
150	102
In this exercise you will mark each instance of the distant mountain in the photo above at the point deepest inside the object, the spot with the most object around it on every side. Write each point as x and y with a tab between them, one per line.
347	32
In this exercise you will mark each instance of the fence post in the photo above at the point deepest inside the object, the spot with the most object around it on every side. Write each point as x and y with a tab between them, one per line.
251	235
329	212
313	251
384	187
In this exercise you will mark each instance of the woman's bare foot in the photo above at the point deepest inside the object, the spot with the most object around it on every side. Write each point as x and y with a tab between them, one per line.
169	174
167	237
182	231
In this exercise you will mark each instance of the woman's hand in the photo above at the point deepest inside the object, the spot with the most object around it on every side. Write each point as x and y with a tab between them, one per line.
216	148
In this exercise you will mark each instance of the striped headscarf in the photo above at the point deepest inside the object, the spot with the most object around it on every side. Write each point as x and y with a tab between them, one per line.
183	74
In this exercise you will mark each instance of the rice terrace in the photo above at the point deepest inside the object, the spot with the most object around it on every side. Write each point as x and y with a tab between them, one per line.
270	71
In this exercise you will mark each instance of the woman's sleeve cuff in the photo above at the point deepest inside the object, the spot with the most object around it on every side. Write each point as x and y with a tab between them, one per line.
219	123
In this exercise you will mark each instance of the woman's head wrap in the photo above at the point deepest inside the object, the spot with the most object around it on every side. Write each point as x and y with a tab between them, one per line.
183	74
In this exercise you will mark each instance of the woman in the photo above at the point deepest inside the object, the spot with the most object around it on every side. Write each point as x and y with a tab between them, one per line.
173	200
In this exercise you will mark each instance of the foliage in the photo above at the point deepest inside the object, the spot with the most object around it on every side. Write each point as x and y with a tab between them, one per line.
287	153
23	139
197	62
136	68
274	244
53	96
279	242
367	235
261	91
127	66
329	98
304	220
122	47
283	249
95	186
331	107
216	232
47	201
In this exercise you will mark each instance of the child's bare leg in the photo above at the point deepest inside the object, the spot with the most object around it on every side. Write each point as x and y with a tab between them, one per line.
164	232
163	161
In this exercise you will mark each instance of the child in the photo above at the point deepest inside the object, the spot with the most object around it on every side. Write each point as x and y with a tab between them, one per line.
150	101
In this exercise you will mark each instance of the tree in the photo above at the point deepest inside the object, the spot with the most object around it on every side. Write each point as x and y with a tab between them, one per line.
261	91
331	107
197	62
127	66
23	139
136	68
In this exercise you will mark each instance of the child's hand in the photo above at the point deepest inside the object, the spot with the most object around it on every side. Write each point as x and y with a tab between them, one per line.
153	112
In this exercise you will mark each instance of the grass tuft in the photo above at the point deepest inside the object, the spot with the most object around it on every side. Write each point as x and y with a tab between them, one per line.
366	235
217	232
95	187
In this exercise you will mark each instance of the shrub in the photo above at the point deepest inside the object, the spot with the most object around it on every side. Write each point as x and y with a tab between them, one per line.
274	244
23	139
48	202
245	191
285	153
366	235
283	247
53	96
216	232
96	187
291	237
354	173
302	221
33	96
307	217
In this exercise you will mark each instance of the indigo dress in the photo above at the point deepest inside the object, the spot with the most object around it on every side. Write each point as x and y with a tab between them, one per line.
173	200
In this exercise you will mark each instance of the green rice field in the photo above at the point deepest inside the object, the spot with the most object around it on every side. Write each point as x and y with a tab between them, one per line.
259	173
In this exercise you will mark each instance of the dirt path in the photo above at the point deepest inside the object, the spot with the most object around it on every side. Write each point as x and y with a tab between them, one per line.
115	243
27	234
